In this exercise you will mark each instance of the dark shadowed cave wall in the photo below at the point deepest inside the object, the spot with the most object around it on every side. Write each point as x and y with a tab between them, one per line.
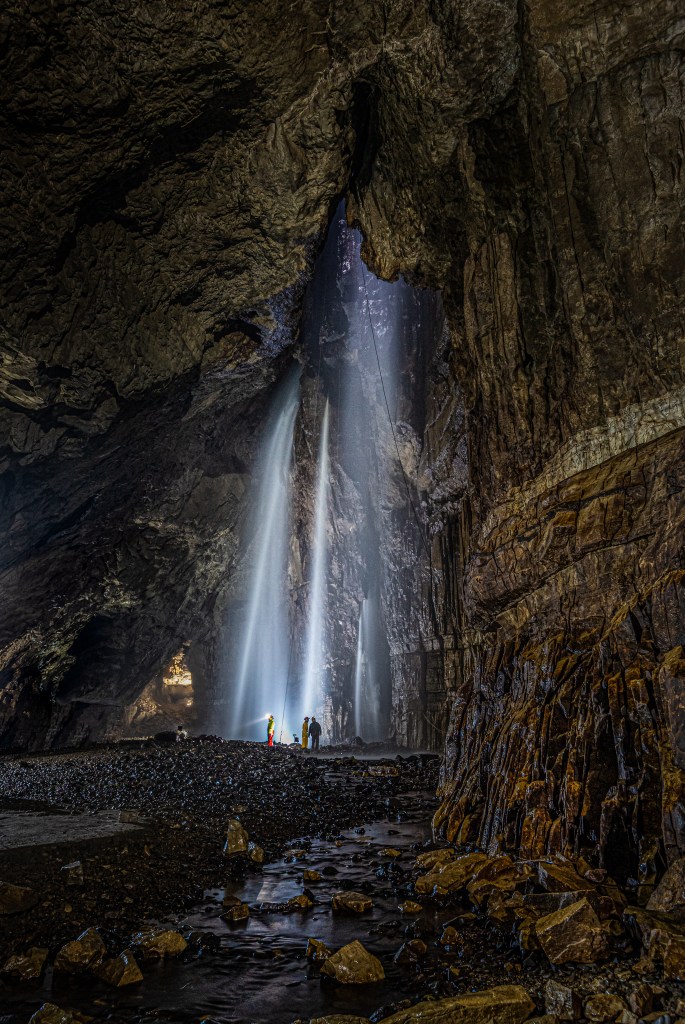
169	174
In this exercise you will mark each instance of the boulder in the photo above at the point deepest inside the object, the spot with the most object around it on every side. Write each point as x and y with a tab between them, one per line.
505	1004
82	954
49	1013
411	952
353	965
434	858
451	938
451	876
311	876
159	944
317	951
572	935
26	966
604	1007
391	852
641	999
120	970
562	1001
15	899
669	895
237	840
410	907
351	902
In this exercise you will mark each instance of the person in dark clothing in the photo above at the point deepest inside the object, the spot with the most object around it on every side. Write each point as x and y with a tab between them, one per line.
315	733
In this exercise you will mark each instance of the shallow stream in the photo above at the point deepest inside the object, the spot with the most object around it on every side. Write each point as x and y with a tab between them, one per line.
257	970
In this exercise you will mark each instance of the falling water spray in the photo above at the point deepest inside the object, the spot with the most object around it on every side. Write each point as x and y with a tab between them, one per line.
261	664
313	664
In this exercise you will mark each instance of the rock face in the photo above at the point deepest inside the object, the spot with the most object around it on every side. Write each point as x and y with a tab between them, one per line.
164	198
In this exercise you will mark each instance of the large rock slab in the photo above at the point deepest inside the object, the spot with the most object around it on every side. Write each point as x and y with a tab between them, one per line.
451	876
572	935
505	1004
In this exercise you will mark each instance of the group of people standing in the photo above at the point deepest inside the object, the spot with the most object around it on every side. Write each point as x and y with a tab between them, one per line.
311	729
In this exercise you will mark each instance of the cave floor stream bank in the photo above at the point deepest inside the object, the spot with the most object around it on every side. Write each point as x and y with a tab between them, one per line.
358	824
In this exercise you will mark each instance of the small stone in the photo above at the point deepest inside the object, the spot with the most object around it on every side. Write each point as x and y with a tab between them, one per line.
317	951
255	853
562	1001
572	935
73	873
231	901
410	952
83	953
352	902
156	945
237	840
120	971
240	912
26	966
353	965
450	937
410	907
391	852
604	1007
311	876
301	902
15	899
49	1013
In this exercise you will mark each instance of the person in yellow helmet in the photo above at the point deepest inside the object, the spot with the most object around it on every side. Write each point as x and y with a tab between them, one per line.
270	730
305	732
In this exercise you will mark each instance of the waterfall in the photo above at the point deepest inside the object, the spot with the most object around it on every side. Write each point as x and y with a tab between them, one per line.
313	664
262	661
367	695
359	673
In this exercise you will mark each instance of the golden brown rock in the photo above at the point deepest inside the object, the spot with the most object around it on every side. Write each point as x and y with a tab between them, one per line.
505	1004
311	876
410	907
432	858
669	895
120	970
26	966
14	899
255	853
451	876
237	912
237	841
317	951
301	902
353	965
572	935
159	944
83	953
49	1013
604	1007
352	902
